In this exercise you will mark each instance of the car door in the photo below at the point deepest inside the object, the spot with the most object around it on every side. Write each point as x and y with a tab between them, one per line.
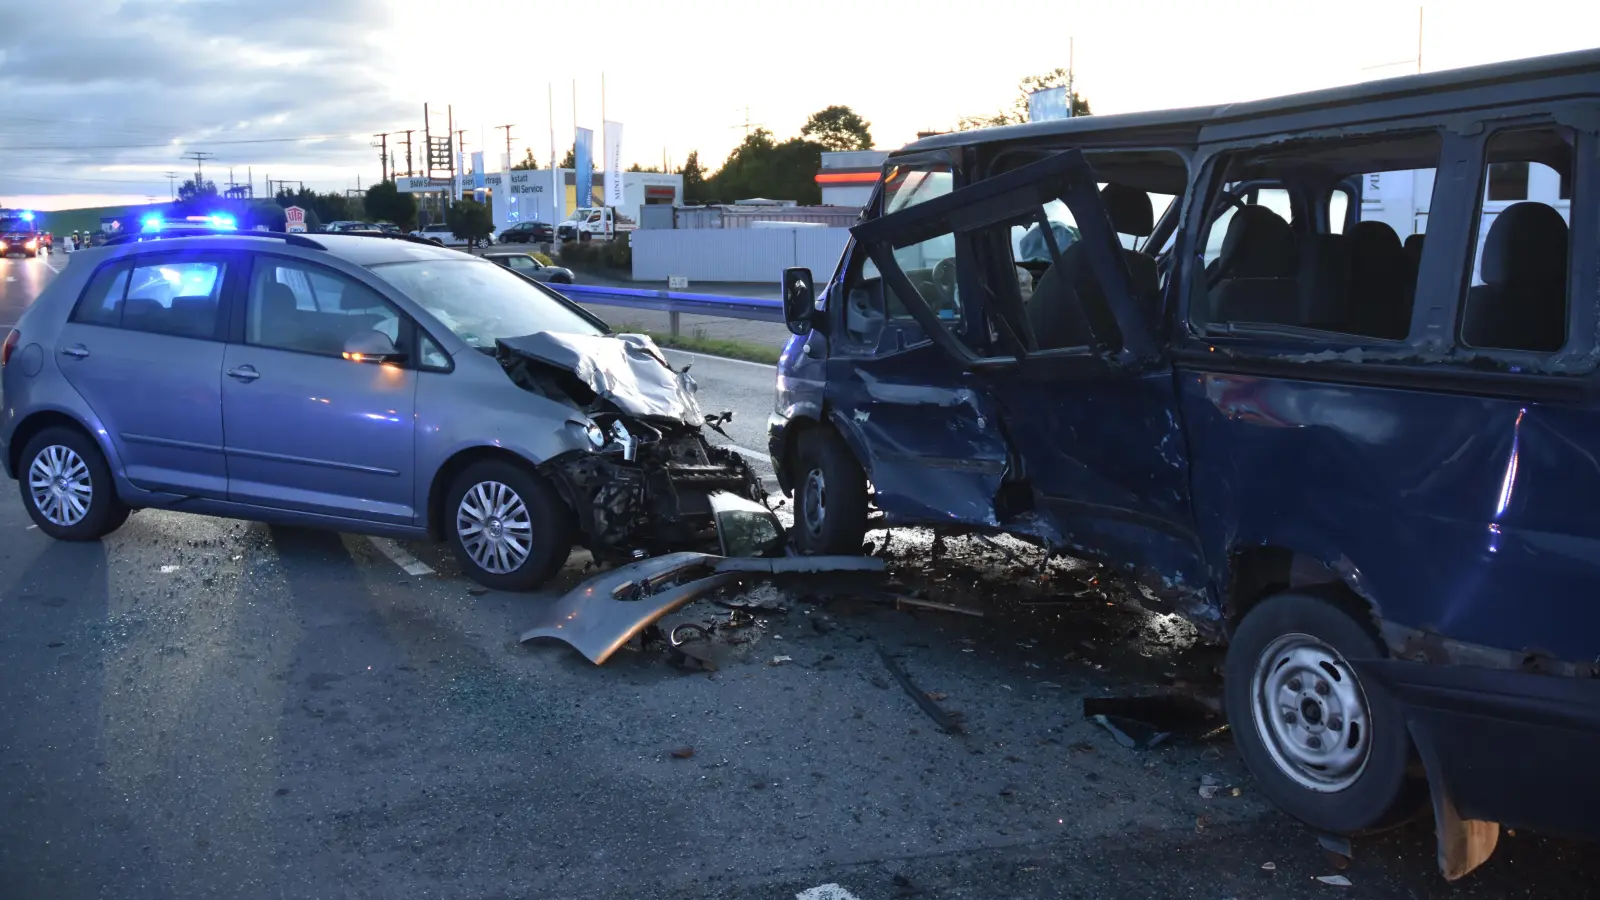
144	348
306	428
1089	414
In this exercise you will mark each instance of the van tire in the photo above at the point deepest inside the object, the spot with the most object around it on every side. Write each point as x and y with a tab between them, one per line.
1290	634
830	495
106	511
548	520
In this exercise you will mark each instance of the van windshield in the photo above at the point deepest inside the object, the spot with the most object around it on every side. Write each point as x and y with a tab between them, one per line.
482	302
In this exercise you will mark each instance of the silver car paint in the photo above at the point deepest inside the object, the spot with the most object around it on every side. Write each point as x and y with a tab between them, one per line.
474	406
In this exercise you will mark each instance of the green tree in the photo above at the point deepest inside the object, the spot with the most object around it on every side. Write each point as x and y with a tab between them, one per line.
570	161
528	162
838	128
762	167
190	190
694	178
638	168
1018	111
385	203
471	220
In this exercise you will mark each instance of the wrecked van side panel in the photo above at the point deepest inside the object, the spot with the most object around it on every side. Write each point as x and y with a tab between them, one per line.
1466	516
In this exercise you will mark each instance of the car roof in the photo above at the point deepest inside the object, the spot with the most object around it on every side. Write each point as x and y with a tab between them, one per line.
1328	106
361	250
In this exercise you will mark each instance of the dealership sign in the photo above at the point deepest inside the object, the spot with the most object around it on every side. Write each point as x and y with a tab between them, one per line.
522	182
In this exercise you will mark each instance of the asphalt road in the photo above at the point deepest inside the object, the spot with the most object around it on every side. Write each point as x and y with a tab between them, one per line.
197	707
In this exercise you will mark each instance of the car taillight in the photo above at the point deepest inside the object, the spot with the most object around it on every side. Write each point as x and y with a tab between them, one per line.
9	347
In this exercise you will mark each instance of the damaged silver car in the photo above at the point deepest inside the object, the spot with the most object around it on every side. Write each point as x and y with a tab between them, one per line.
363	384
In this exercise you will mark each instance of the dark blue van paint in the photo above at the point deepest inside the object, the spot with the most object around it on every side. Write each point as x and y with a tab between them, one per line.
1450	494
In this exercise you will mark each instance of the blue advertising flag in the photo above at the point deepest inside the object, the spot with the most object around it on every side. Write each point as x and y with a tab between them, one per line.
583	156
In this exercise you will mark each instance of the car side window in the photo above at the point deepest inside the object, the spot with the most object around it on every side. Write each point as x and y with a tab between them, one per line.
1517	291
523	264
431	355
173	296
302	307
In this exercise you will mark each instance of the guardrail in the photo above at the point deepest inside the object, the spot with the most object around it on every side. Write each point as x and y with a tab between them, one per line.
675	303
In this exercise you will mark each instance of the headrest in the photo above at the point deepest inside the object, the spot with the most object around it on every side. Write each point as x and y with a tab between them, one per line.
1129	209
1259	244
1373	236
1527	242
279	296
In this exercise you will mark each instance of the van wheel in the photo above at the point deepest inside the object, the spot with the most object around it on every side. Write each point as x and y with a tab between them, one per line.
507	527
1324	748
67	487
830	510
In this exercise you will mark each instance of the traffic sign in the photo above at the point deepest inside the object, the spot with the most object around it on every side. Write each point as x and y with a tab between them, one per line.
295	218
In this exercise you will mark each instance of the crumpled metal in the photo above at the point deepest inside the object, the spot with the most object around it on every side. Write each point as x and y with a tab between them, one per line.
627	369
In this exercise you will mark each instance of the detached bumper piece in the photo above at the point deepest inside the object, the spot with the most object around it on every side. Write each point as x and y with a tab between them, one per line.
605	612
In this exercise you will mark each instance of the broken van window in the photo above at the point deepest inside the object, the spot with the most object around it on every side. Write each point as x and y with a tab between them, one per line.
1266	266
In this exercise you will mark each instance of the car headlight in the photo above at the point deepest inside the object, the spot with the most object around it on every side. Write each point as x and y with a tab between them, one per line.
31	245
596	435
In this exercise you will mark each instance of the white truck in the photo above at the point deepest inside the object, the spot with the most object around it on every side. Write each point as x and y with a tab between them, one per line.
593	223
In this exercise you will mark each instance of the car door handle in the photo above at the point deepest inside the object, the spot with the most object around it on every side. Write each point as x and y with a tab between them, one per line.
245	374
76	351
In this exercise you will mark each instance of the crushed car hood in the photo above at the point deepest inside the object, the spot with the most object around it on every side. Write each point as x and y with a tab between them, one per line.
627	369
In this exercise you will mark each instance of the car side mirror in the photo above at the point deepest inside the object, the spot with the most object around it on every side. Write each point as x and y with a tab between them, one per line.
799	300
372	347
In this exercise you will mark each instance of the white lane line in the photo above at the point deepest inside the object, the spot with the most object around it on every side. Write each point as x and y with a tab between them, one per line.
742	362
746	451
825	892
52	268
397	554
30	528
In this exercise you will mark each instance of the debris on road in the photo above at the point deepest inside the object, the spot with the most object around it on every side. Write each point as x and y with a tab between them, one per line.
1335	880
1141	723
1336	849
941	718
1269	866
602	614
901	602
683	753
779	660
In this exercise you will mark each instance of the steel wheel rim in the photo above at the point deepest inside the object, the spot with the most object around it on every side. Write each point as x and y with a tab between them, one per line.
1311	713
494	527
814	501
58	480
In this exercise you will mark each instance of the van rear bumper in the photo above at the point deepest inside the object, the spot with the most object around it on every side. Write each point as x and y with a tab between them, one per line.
1518	748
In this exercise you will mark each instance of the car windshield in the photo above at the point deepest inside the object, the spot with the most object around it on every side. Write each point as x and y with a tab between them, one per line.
15	223
480	301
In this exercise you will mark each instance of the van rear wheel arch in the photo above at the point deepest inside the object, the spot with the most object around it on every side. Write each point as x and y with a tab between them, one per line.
1257	573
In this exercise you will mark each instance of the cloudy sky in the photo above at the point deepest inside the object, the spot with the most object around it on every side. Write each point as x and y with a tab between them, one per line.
102	98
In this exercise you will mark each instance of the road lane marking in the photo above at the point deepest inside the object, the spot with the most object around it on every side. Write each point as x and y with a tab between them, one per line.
714	358
52	268
397	554
746	451
825	892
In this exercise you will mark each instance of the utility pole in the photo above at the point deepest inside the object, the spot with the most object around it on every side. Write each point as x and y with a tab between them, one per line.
383	154
250	176
1419	40
172	182
509	160
199	157
1071	96
408	151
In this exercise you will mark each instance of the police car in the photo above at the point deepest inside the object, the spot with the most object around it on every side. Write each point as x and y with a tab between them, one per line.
156	226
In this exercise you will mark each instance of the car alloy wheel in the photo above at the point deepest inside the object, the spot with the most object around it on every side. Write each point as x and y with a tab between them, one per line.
495	527
60	484
1311	713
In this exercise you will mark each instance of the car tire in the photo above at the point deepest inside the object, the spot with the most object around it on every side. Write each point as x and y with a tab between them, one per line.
60	466
1297	647
505	500
830	495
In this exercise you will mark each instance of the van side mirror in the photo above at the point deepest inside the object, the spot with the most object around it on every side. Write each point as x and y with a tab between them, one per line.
799	300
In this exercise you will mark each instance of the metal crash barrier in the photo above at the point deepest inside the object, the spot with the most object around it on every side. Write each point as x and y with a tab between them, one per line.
675	303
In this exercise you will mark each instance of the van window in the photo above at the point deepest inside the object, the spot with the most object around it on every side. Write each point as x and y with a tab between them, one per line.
903	188
1516	298
1263	266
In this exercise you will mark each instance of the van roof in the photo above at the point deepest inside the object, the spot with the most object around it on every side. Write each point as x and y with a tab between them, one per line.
1408	94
